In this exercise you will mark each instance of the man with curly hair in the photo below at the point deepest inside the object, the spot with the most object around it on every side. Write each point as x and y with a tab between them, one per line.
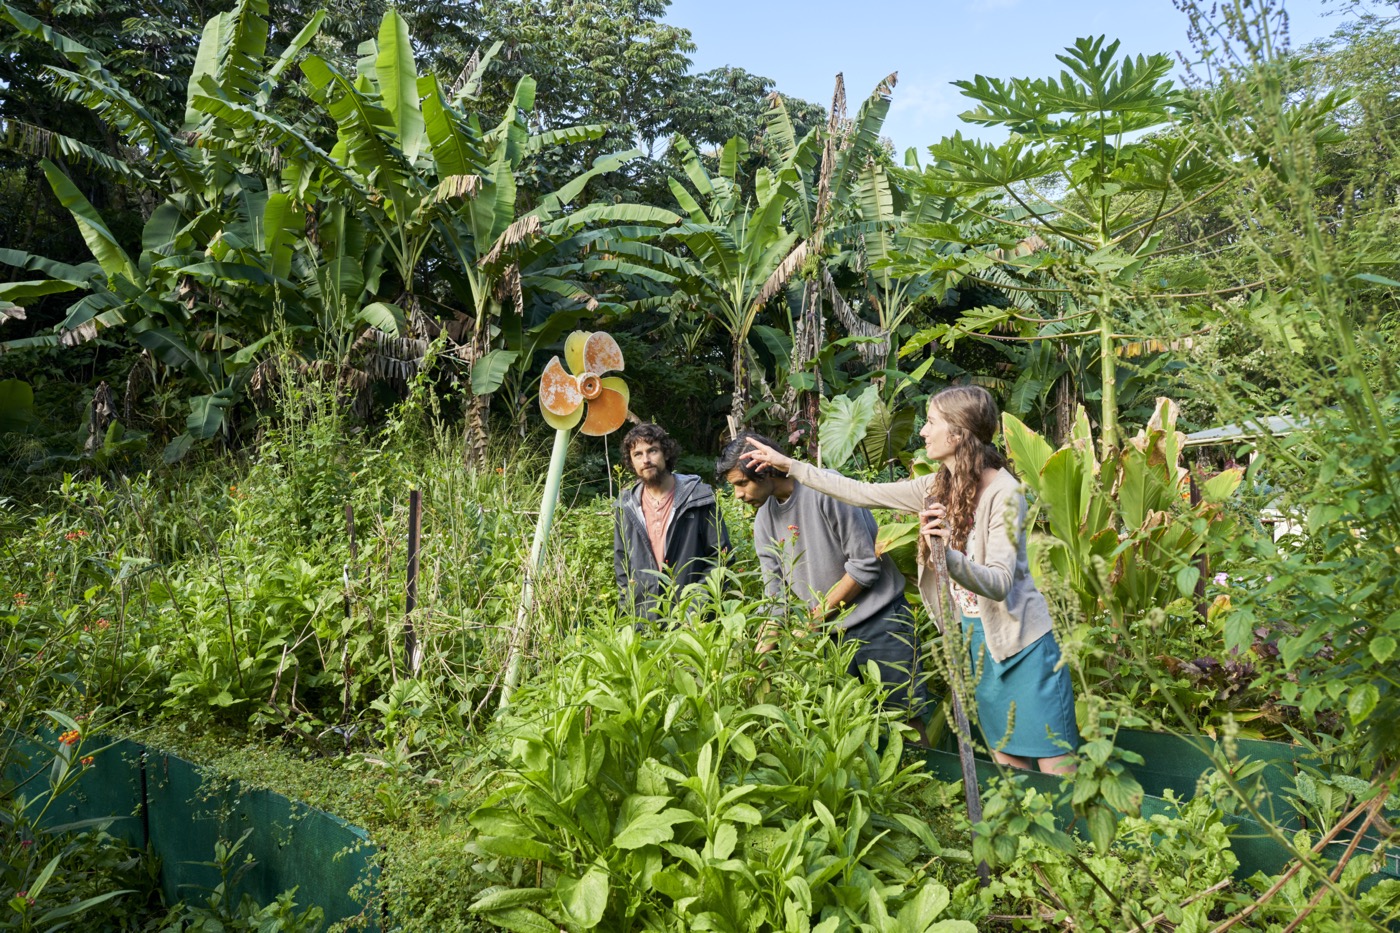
666	526
821	551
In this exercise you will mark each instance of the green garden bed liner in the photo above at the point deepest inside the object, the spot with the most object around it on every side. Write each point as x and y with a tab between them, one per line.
180	811
1175	763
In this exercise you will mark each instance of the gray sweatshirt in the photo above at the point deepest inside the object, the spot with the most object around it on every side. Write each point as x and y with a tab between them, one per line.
807	543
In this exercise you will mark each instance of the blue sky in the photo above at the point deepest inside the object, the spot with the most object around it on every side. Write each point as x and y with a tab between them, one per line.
930	43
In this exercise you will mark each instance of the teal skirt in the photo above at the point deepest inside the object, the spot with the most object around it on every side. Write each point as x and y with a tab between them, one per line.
1042	697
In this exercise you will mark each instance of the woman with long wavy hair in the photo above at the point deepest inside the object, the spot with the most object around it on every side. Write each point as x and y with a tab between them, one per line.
1024	696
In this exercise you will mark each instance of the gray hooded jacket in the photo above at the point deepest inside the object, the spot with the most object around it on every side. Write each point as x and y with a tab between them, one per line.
695	534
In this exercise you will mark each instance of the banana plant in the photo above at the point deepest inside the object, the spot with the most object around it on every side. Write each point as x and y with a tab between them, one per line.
735	255
210	279
827	209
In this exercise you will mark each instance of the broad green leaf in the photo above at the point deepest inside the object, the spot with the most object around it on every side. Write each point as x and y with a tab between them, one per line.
650	829
564	196
1186	579
1028	450
498	821
177	448
1381	647
489	371
1222	485
453	150
398	83
16	406
498	898
171	349
522	920
888	434
726	838
1362	702
1062	492
384	316
844	422
36	288
78	275
284	224
585	899
207	413
924	907
100	241
1103	826
206	62
300	41
518	847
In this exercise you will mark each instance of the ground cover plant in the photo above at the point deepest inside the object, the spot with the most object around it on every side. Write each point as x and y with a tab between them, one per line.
324	283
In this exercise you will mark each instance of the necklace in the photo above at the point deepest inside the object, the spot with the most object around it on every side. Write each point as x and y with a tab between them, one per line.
660	500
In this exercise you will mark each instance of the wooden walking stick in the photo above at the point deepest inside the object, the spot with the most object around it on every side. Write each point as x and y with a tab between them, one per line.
944	615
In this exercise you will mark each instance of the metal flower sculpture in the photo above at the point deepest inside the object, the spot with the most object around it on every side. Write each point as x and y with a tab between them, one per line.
579	394
566	394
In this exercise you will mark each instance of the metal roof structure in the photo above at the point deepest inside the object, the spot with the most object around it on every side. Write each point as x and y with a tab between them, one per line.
1275	426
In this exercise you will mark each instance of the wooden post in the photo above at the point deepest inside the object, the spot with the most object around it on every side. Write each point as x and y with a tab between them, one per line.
1202	559
415	521
353	562
350	530
944	615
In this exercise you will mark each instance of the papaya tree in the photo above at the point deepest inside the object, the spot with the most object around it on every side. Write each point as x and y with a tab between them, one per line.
1097	162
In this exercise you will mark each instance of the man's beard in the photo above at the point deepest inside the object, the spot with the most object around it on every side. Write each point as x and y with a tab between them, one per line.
653	476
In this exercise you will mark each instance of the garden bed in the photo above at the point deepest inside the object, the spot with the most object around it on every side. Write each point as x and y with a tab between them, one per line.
1175	765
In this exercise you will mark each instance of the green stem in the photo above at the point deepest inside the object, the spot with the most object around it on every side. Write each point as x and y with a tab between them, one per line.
520	634
1108	373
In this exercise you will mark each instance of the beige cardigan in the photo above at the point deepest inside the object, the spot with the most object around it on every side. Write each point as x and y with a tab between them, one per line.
1014	614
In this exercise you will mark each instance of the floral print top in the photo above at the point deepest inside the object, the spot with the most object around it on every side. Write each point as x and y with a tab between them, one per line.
966	600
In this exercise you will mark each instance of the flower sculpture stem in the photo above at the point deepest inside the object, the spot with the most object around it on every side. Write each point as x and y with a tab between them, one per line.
520	633
582	397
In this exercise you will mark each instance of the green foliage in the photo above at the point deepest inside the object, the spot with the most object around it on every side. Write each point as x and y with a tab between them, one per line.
1094	167
1124	539
219	914
662	785
845	424
53	871
1320	322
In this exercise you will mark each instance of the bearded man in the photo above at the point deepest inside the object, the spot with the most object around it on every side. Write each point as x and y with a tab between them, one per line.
667	529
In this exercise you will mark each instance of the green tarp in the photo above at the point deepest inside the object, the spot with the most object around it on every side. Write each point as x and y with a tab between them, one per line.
182	812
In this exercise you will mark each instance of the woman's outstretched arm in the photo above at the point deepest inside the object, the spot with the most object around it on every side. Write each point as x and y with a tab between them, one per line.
904	496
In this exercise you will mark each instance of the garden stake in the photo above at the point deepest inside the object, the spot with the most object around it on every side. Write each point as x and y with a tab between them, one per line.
345	568
410	635
942	614
563	395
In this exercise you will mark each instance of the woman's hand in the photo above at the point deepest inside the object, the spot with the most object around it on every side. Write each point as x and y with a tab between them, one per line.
760	455
932	524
